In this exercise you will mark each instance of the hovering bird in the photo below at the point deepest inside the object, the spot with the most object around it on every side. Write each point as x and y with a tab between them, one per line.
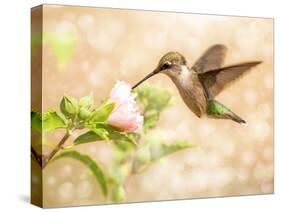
200	84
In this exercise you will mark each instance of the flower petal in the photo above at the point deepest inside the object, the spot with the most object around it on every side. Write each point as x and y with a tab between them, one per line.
125	116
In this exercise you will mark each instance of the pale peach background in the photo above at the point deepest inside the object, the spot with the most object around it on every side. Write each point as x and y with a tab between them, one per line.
125	45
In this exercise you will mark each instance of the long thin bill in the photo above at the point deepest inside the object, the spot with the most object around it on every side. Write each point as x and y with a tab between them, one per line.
145	78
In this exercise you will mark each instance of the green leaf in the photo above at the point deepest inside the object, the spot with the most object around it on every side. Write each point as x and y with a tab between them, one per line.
151	118
96	135
154	100
87	137
36	121
85	107
46	122
69	106
90	163
154	149
36	41
122	150
101	133
161	150
116	135
153	97
123	146
103	112
62	44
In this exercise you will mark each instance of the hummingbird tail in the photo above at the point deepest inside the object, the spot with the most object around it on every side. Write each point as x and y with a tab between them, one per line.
237	119
217	110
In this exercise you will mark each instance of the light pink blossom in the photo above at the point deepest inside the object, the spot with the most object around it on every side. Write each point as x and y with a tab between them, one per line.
125	116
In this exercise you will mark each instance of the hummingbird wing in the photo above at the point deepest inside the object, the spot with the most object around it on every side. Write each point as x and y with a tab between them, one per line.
214	81
212	59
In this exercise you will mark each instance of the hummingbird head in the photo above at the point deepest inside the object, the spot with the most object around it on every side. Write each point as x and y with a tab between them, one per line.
170	64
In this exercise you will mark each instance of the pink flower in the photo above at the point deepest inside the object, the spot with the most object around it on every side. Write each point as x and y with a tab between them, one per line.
125	116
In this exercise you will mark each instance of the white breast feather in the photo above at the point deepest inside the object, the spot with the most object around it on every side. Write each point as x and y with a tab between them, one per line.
185	77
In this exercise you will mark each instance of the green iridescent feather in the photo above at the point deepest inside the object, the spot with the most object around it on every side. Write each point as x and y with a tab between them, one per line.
216	108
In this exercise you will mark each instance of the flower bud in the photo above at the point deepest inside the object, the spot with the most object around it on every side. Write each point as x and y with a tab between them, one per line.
69	106
85	107
84	113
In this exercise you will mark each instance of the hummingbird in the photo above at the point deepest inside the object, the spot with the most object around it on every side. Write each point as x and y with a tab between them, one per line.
200	84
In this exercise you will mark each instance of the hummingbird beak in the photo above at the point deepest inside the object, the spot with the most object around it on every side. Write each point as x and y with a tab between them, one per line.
146	77
156	71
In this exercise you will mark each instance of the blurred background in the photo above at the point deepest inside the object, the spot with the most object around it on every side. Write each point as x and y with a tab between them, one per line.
86	50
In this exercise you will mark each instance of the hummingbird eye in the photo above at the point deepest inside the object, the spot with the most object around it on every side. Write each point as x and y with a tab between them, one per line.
166	65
